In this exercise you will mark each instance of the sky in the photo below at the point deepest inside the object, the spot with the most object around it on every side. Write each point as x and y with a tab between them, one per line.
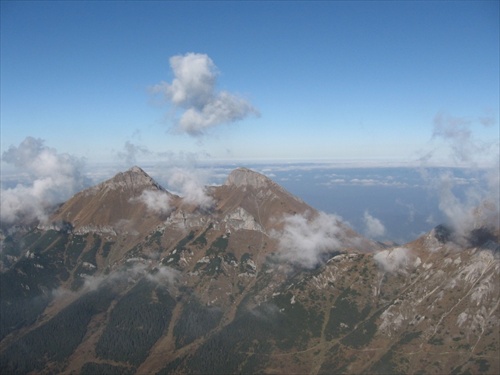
129	82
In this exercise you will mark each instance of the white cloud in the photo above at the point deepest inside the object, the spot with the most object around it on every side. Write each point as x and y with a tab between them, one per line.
157	201
193	89
374	227
162	275
466	149
52	178
479	206
393	260
304	240
190	185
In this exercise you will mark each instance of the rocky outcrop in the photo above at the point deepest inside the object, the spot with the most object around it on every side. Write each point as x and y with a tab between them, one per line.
241	219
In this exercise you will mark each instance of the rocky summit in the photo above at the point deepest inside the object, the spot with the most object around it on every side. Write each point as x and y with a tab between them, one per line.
129	278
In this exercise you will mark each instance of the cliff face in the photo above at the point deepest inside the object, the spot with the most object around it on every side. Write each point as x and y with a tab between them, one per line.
132	279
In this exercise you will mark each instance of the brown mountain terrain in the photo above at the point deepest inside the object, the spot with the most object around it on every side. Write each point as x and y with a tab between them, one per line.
129	278
112	205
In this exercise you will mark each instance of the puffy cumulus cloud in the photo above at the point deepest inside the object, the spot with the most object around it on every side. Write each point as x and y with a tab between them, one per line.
195	77
374	227
393	260
193	90
52	178
190	185
157	201
305	240
225	108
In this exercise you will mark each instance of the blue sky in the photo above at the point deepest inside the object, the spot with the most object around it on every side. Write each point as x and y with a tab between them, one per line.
330	80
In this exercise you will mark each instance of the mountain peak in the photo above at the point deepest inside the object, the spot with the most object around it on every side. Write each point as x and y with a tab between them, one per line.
136	169
243	177
112	203
134	178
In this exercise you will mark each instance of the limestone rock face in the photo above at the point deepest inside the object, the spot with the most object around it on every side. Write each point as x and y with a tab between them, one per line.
241	219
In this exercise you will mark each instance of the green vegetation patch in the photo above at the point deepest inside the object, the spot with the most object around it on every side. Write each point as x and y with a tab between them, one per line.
155	239
483	364
230	258
56	340
244	345
364	332
244	263
26	288
90	255
227	350
16	244
92	368
436	341
297	323
408	337
385	365
344	315
106	248
218	247
182	243
213	268
171	367
201	240
74	249
196	320
44	241
173	258
136	323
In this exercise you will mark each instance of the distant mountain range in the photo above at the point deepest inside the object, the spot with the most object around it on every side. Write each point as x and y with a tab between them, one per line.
128	278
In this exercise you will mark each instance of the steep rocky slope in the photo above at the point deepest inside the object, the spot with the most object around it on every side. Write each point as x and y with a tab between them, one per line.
125	281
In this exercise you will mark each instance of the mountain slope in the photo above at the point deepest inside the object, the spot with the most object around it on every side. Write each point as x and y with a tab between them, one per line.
114	204
192	290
